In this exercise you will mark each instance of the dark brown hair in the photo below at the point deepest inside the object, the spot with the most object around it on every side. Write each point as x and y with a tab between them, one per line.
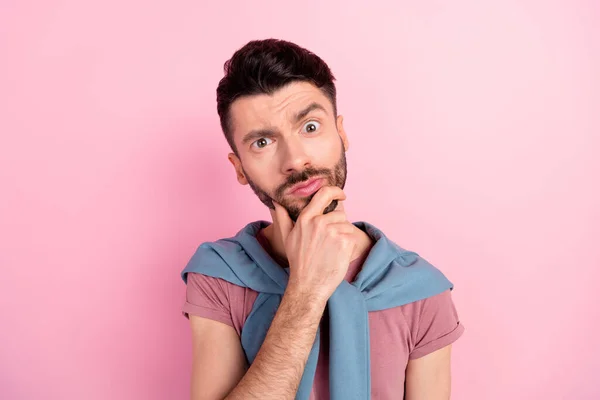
263	67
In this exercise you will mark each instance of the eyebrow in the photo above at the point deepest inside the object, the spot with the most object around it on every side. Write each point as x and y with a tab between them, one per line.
271	133
311	107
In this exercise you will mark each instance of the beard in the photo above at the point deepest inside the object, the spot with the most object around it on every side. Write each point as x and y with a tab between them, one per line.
335	177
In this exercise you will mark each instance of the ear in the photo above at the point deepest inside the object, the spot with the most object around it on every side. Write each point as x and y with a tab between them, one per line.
342	132
239	171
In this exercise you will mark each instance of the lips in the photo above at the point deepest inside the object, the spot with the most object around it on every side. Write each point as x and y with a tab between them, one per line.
307	188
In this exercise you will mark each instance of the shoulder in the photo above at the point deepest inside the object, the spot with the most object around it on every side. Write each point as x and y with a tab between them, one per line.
218	299
217	259
433	323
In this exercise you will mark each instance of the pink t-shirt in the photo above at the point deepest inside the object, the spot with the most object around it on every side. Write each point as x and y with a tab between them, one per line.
397	334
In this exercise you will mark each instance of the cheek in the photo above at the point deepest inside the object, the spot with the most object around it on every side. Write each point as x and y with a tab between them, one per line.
264	170
262	178
326	152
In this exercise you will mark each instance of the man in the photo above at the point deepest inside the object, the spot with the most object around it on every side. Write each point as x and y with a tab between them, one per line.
310	305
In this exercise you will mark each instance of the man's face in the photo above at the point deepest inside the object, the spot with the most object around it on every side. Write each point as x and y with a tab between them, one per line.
285	140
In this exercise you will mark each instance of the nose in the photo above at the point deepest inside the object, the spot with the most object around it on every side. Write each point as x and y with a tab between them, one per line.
295	157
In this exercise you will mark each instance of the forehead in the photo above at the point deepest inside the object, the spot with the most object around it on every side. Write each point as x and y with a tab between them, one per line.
276	109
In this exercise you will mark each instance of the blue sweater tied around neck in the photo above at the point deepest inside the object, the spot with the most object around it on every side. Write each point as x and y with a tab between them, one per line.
390	277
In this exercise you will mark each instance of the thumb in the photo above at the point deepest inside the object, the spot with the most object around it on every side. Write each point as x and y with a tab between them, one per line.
284	222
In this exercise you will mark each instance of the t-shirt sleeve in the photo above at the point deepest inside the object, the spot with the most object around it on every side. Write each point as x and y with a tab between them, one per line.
435	324
207	297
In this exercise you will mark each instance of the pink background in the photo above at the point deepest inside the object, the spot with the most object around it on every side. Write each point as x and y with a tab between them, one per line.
474	131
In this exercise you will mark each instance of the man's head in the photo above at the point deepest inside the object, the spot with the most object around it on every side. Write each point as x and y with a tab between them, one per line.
277	105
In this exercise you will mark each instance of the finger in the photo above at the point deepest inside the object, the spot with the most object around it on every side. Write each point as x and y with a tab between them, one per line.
332	206
321	200
333	217
345	228
339	206
284	222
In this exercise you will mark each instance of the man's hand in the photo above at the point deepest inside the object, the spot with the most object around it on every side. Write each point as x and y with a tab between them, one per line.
319	246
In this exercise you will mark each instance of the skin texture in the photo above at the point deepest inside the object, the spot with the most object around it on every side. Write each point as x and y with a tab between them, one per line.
311	232
272	166
295	150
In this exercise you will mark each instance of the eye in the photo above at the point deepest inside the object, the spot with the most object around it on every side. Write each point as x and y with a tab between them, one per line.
311	126
261	143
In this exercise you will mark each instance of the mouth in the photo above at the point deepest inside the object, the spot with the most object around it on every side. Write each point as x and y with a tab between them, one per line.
307	188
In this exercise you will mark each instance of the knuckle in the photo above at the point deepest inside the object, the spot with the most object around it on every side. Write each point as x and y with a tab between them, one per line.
336	190
320	222
344	242
333	233
302	220
329	190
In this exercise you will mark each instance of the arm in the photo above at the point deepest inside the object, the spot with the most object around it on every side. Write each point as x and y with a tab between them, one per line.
277	370
219	368
319	248
435	326
428	377
218	361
